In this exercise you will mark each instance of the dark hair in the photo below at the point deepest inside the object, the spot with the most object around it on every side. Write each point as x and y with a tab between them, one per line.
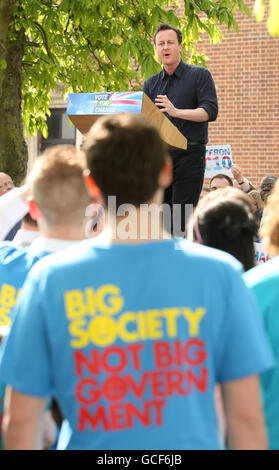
226	221
221	176
29	220
165	27
125	155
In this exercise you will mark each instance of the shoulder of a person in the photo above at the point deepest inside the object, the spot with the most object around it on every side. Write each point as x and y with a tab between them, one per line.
7	249
210	257
197	69
56	262
264	273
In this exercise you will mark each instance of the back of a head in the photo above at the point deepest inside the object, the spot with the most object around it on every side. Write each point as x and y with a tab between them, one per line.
125	155
225	221
57	185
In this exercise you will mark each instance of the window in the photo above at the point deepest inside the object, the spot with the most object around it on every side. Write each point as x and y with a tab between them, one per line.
60	132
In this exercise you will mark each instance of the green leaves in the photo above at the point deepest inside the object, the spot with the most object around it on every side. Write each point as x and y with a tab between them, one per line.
243	7
273	19
149	65
273	15
3	63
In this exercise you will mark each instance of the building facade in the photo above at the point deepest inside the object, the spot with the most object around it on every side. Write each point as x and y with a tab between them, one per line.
245	68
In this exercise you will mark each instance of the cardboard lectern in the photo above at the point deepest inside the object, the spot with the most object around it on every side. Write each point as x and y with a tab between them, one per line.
84	108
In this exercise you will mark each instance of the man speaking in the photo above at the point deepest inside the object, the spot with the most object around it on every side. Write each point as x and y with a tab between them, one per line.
186	94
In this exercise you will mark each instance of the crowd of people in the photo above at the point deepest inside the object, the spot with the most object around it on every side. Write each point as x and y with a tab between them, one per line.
115	332
136	343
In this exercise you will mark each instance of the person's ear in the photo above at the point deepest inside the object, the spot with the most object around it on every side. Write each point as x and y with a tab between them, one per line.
34	210
165	177
92	188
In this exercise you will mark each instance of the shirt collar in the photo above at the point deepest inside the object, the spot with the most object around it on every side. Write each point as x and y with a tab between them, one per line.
24	237
50	245
177	72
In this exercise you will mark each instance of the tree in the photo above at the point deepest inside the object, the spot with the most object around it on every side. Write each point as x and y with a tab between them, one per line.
87	45
273	17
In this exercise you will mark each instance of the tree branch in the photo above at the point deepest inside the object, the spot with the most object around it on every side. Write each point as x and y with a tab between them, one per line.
68	22
31	43
44	36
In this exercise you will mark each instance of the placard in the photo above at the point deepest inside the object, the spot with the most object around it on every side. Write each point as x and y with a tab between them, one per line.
260	254
104	103
218	159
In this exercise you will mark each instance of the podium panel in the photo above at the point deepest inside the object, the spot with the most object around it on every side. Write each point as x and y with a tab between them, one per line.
85	108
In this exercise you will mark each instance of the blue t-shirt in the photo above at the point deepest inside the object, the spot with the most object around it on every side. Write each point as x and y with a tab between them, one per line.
131	340
264	282
15	263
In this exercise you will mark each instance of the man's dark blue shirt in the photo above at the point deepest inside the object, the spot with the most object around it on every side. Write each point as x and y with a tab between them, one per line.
189	87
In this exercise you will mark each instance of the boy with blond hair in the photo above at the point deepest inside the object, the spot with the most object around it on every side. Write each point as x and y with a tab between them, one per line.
57	199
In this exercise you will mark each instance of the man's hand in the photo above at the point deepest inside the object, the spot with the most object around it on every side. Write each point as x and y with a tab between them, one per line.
166	105
236	171
195	115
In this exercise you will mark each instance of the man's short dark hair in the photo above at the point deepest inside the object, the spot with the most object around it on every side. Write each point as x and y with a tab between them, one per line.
221	176
125	155
165	27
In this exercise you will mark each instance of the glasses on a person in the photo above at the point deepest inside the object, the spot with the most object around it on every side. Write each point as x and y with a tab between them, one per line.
5	185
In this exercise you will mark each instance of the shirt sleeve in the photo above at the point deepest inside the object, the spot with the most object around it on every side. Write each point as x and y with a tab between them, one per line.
12	209
26	364
206	93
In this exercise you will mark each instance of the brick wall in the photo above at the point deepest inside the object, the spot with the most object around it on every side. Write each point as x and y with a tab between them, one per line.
245	68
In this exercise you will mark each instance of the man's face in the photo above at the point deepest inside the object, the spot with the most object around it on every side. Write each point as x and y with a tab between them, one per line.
6	183
167	48
266	187
218	183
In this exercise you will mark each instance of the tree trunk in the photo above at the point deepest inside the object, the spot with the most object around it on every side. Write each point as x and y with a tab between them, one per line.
13	148
6	12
